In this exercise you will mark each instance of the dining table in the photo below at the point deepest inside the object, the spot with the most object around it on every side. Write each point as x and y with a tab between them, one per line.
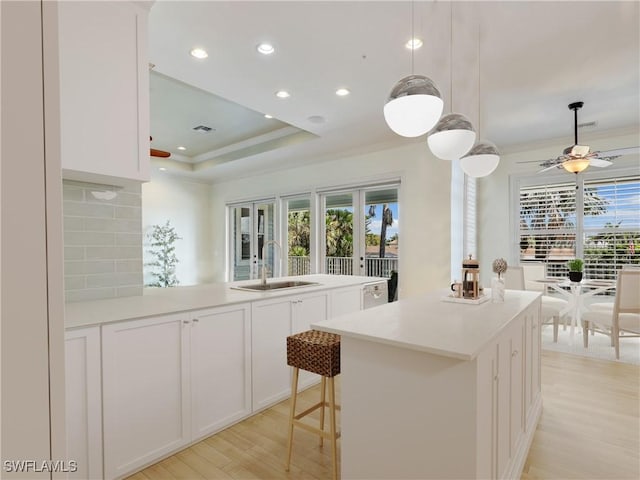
576	293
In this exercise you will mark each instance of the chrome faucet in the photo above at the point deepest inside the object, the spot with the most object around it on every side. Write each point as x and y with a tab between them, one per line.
264	259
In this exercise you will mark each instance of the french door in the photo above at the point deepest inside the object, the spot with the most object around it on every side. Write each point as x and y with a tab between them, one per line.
251	225
360	234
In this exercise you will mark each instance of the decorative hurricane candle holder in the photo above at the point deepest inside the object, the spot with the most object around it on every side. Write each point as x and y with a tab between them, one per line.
499	266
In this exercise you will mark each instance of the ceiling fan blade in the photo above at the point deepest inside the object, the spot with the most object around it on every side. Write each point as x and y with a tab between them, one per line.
548	168
618	152
159	153
599	162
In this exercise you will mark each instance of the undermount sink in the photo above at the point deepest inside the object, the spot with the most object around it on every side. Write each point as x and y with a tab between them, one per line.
260	287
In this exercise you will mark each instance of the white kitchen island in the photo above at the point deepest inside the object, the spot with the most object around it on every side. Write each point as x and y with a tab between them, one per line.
432	389
149	375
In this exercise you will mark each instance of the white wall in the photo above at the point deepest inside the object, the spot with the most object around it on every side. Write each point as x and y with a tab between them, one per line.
424	248
187	206
495	204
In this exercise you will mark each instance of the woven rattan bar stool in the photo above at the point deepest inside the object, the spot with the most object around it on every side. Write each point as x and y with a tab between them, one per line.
317	352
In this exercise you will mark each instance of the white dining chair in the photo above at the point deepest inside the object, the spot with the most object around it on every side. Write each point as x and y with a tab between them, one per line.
620	318
552	307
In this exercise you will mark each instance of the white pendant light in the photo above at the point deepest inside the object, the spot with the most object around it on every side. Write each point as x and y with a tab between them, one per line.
481	160
415	104
454	135
484	157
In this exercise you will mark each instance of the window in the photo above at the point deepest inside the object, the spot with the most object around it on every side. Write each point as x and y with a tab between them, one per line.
611	234
597	219
464	232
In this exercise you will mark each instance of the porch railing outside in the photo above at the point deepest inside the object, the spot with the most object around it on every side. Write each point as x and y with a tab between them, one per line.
299	265
375	267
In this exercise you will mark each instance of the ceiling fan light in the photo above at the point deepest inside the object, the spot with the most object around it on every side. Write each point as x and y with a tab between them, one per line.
575	165
481	160
452	137
414	106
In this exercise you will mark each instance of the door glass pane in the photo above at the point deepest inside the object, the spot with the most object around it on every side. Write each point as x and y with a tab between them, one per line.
381	232
241	242
265	228
339	234
299	236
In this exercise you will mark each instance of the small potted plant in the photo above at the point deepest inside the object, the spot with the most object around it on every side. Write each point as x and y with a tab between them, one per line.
575	269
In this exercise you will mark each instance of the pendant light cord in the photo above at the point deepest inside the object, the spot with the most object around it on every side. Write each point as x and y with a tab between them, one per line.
451	57
479	76
413	38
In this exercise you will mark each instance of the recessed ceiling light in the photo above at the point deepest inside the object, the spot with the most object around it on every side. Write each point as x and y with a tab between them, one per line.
413	44
317	119
162	169
282	94
341	92
266	115
182	148
265	48
199	53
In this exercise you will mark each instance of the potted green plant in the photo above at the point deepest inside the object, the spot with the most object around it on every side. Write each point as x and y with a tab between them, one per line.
575	269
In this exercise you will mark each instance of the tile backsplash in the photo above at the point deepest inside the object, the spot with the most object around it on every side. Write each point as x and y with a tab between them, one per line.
102	241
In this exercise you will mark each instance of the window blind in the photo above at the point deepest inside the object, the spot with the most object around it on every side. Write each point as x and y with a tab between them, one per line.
607	236
611	233
470	230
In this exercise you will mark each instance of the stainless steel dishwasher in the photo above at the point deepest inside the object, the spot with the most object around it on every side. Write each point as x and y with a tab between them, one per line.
374	294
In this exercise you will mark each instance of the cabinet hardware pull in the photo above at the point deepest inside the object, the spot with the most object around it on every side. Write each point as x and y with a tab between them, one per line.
496	378
514	353
535	325
186	322
196	320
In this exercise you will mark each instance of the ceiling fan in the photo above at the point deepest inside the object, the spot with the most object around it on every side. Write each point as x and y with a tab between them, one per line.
578	158
158	153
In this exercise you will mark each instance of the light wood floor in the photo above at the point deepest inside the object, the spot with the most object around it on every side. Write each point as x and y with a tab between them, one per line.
589	429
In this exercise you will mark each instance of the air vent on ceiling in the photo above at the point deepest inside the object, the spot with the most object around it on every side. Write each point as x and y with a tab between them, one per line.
203	128
587	124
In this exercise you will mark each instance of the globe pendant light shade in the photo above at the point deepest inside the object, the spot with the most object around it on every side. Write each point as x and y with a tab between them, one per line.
414	106
481	160
452	137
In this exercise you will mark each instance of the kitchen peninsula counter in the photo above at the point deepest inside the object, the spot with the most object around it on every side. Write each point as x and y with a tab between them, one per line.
431	325
161	301
436	390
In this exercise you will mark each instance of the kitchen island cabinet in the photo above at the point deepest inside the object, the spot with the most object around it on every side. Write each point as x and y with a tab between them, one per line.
432	389
179	364
273	321
83	398
220	350
146	404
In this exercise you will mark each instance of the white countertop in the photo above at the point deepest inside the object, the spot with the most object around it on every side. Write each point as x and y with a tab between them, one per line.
428	324
162	301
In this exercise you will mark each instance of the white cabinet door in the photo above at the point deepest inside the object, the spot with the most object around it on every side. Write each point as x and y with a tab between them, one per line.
308	309
516	384
532	351
84	402
270	327
104	103
346	300
146	404
510	391
220	368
